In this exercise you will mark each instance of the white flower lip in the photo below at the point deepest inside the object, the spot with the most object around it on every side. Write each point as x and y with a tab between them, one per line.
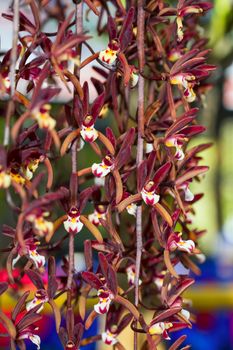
150	198
89	134
132	209
108	56
39	260
73	225
109	338
100	169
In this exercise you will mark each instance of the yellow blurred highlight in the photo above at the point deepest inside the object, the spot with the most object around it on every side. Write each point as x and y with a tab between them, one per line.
211	296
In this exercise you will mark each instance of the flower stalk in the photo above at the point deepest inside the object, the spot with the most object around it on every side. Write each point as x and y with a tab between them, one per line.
141	96
10	107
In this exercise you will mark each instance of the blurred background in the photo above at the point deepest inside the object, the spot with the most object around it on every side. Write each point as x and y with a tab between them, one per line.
212	295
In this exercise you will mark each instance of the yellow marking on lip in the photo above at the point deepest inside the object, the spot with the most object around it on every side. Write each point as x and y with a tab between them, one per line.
170	144
105	166
33	253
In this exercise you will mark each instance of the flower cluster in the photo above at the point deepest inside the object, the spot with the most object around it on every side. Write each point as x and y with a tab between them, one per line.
65	174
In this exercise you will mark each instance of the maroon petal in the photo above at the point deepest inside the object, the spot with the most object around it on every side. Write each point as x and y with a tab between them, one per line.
91	279
97	105
85	99
125	36
112	29
161	174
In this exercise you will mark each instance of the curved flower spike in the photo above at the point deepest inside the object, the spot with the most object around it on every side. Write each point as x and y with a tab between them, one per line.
160	328
109	338
149	195
73	224
104	168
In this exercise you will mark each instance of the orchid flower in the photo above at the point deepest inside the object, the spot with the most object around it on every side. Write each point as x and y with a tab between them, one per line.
109	55
73	224
189	9
176	142
187	81
99	213
40	298
105	299
130	271
41	226
88	132
87	114
118	43
188	195
28	168
43	118
104	168
176	242
31	247
160	328
27	333
109	338
132	209
191	75
149	194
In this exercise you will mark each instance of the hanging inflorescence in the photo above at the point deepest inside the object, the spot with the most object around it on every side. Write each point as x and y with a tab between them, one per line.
149	82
